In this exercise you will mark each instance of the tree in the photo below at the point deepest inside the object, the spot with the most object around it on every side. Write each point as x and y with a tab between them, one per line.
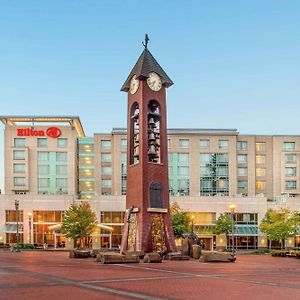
180	220
279	225
79	222
224	225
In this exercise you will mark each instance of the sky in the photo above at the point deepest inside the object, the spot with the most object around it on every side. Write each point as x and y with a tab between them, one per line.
235	64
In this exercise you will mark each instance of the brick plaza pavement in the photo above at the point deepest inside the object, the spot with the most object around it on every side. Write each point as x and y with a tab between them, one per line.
52	275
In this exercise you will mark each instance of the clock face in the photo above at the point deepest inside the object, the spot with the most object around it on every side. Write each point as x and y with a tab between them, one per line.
134	85
154	82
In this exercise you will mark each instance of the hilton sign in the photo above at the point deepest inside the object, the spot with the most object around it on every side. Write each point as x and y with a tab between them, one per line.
52	132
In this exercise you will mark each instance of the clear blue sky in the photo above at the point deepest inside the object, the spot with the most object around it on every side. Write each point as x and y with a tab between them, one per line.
235	64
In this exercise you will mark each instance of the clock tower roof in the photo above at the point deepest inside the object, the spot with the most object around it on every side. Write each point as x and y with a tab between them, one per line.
144	65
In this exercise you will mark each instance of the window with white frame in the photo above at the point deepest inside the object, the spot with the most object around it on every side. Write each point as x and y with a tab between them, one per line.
106	183
241	145
290	171
105	144
19	154
204	143
19	168
242	171
260	146
289	146
290	158
62	143
242	158
290	184
106	157
42	143
183	157
223	144
19	142
61	156
123	143
43	169
43	182
61	170
260	172
19	181
183	171
183	143
242	184
106	170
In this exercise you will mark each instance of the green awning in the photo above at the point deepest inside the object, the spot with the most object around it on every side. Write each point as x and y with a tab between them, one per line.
249	230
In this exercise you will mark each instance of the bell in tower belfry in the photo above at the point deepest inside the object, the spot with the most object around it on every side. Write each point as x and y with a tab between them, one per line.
148	225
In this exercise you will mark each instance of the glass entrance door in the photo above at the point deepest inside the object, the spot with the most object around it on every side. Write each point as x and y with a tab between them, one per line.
106	241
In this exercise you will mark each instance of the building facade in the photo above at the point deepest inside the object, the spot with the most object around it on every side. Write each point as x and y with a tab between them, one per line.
49	163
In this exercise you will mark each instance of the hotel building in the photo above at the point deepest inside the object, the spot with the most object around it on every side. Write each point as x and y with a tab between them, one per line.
49	164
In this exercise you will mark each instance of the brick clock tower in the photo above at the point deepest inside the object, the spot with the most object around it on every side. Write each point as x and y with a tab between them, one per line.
148	225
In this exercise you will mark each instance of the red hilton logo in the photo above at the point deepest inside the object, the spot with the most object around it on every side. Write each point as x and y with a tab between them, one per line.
52	132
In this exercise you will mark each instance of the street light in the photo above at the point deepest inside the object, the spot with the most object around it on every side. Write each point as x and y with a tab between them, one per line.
232	211
17	202
29	225
192	224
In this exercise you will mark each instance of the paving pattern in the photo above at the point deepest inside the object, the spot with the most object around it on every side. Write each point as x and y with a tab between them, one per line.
52	275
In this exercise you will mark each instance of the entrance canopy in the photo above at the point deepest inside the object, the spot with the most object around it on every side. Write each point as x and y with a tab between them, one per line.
246	230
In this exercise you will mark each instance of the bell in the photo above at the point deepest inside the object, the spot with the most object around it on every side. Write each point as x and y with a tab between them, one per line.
152	150
137	138
152	137
136	152
151	122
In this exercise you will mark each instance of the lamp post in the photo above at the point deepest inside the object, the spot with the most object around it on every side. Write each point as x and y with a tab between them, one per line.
17	202
29	225
192	224
232	211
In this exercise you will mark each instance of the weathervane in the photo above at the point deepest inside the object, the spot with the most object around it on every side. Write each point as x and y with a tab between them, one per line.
146	41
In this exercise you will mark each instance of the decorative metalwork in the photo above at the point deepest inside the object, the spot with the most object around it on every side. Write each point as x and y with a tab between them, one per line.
158	233
146	41
132	232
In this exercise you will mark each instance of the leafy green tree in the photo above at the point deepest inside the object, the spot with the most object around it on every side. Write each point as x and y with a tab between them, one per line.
224	225
79	222
180	220
279	225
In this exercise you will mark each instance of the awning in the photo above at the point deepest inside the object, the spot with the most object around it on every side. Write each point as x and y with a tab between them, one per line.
101	226
245	230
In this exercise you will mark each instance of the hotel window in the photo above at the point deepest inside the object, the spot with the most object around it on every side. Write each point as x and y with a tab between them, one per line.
61	156
242	184
123	143
19	154
289	146
183	143
61	170
223	144
241	145
260	172
42	143
43	182
260	159
183	187
19	168
183	157
105	144
260	146
62	143
19	181
290	172
106	183
61	184
169	143
290	185
290	158
242	158
43	156
183	171
105	170
43	170
242	171
106	157
260	185
204	143
214	174
19	142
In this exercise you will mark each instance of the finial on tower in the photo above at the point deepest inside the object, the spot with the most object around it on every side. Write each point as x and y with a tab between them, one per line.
146	41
